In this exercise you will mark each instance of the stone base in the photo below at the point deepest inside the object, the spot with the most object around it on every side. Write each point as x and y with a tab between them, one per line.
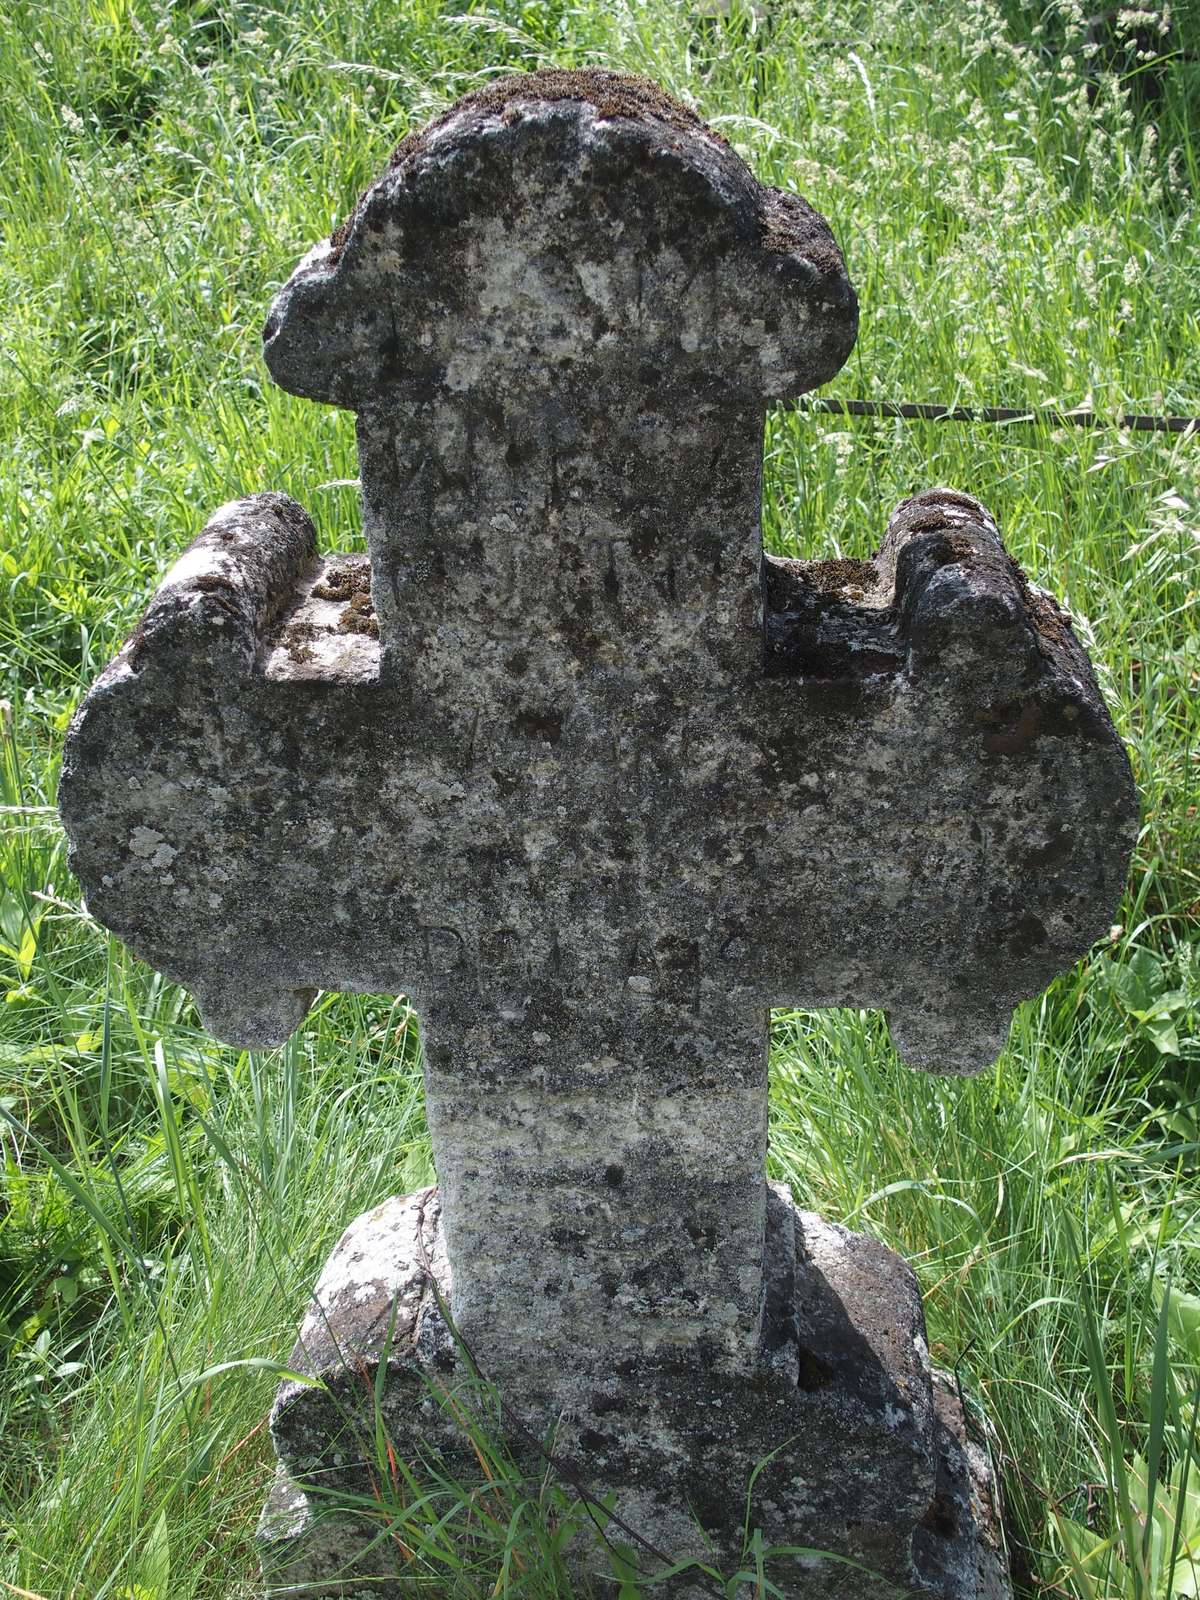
309	1546
838	1441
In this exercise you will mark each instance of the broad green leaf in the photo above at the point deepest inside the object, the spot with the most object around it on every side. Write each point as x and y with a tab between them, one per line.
1185	1321
1162	1032
26	951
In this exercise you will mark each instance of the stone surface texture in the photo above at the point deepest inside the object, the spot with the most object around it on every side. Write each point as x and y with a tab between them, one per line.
594	781
866	1447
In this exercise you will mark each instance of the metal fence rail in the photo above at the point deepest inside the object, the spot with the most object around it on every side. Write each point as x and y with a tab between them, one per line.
921	412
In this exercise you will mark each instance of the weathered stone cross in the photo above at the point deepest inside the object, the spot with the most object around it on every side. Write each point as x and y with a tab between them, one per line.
581	771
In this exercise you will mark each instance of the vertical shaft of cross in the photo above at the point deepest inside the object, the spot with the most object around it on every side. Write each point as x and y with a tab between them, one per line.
536	529
539	582
603	1189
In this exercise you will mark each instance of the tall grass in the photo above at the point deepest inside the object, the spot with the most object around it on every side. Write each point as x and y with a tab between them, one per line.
1021	223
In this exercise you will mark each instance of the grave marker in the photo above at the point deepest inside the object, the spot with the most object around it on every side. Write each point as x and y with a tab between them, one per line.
575	766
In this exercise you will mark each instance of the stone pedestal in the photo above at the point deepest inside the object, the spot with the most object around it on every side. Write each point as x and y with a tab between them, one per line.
865	1447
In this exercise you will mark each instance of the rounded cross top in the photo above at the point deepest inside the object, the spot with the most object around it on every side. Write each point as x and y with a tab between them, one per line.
559	227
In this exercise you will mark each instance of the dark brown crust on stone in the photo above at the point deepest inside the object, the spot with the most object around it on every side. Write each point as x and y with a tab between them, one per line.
352	577
789	223
790	226
614	94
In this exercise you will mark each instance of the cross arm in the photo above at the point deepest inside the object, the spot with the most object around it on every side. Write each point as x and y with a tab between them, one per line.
956	811
180	791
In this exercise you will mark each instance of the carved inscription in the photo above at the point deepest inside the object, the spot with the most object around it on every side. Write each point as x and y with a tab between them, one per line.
571	740
499	961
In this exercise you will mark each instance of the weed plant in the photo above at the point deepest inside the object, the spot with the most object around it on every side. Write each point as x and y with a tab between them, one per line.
1015	189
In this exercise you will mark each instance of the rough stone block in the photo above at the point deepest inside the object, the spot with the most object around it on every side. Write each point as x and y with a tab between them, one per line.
864	1453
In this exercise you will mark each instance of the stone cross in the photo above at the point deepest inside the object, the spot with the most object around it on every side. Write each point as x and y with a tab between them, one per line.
597	783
